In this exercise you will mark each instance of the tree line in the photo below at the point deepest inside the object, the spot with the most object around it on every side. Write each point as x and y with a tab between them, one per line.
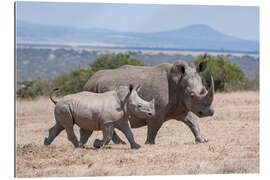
47	64
227	76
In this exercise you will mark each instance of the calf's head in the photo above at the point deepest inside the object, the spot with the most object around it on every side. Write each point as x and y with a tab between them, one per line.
134	104
192	93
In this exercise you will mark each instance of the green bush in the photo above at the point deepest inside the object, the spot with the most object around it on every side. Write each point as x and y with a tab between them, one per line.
112	62
72	82
33	89
227	76
253	84
75	80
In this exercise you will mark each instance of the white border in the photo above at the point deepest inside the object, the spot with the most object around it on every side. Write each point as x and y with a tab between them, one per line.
7	85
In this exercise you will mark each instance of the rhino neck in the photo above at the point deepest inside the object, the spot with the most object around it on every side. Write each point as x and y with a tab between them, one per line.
124	108
175	105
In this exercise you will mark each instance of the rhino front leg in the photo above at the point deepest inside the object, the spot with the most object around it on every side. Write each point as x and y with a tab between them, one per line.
72	137
152	129
116	139
191	121
124	127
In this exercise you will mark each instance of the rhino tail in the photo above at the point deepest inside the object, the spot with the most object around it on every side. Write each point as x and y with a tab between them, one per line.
54	101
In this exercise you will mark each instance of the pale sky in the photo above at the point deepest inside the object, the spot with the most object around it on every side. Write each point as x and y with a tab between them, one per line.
238	21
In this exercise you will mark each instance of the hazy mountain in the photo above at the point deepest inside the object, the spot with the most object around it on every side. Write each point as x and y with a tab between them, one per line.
196	36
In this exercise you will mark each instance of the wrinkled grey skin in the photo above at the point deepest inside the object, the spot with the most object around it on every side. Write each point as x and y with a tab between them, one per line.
177	89
92	111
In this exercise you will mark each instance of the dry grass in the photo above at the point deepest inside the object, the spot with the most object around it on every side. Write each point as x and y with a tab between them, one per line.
233	146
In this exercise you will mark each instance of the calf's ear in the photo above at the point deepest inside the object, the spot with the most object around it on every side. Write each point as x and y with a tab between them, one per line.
130	88
202	66
138	88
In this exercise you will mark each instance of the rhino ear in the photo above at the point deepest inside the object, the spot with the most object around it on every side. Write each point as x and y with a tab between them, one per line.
138	87
130	88
202	66
181	68
178	70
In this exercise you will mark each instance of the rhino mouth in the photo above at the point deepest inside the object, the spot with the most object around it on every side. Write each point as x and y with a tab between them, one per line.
209	113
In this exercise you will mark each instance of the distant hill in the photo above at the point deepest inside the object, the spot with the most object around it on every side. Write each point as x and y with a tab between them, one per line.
198	36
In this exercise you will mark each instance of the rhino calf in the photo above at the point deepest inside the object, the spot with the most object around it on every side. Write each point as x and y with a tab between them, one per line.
103	111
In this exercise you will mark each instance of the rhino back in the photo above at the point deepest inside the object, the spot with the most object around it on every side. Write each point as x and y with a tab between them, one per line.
91	110
154	81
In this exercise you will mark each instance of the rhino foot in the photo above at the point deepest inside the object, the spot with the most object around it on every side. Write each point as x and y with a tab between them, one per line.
46	142
81	145
201	140
136	146
149	142
97	143
122	142
119	141
116	139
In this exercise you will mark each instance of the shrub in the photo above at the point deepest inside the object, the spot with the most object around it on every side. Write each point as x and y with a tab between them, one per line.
72	82
227	76
112	62
33	89
75	80
253	84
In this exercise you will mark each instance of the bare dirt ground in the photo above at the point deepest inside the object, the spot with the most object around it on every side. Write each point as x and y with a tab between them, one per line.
233	147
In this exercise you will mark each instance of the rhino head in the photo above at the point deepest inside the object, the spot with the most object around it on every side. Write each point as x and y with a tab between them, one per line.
193	94
133	104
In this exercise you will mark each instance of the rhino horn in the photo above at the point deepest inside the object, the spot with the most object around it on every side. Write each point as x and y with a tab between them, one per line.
152	101
210	95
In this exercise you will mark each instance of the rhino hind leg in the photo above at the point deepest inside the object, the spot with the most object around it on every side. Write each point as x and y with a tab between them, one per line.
84	136
53	133
107	136
116	139
72	137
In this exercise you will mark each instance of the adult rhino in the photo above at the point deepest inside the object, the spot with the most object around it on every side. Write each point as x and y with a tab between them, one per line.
177	89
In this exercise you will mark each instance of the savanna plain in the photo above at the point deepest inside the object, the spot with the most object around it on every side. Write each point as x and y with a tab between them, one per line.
233	147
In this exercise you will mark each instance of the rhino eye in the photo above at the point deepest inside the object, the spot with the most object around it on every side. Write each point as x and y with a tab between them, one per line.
139	105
